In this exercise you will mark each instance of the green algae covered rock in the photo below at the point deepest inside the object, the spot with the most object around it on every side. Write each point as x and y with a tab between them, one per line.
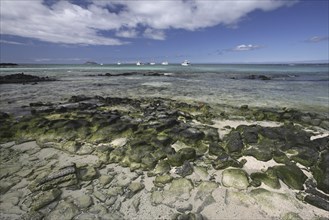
161	168
269	178
64	210
182	155
88	173
235	178
45	198
160	181
291	175
205	189
180	186
234	142
215	148
321	172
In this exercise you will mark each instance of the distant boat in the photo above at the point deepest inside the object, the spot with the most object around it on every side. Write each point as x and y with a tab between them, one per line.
101	64
152	63
164	63
185	63
138	63
118	63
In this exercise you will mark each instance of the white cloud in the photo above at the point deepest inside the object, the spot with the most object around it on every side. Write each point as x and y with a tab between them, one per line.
317	39
10	42
154	34
244	47
100	22
129	33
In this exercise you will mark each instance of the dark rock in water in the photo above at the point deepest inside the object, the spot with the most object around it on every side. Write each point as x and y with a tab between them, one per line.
233	142
23	78
8	64
259	77
185	170
79	98
291	175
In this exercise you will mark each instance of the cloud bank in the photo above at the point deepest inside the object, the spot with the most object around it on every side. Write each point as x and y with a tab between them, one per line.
94	22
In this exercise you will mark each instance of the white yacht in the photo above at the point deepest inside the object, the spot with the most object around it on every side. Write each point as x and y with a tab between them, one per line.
152	63
185	63
165	63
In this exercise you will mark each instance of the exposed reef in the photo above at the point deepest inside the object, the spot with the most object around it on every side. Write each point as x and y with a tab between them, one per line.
88	157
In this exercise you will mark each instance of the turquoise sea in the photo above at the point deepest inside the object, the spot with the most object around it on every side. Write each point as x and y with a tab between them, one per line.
300	86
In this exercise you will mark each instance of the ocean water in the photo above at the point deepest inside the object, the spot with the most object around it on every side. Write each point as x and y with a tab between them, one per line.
300	86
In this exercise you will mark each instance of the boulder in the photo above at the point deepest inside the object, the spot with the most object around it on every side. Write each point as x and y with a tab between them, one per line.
45	198
185	170
233	142
235	178
64	210
88	173
291	175
160	181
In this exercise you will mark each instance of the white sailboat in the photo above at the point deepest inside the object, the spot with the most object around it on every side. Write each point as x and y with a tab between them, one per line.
138	63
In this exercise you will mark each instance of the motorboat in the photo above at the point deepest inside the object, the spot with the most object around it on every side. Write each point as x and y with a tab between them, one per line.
118	63
164	63
152	63
185	63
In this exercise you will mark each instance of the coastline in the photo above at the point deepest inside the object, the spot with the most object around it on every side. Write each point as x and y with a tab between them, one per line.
157	158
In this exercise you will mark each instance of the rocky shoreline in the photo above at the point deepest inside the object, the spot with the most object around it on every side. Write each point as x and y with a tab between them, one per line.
155	158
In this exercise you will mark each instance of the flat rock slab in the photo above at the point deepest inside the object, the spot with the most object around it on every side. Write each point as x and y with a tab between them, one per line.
235	178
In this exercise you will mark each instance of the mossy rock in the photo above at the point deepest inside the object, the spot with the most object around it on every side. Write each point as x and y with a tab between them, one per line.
215	148
149	162
280	157
291	175
205	189
224	161
182	155
88	173
45	198
180	186
233	142
161	168
269	178
321	172
160	181
235	178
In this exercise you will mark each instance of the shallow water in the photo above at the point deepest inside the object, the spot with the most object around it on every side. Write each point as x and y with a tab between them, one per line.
305	87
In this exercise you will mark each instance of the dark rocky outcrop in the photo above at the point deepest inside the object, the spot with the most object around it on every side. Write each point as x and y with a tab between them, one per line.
23	78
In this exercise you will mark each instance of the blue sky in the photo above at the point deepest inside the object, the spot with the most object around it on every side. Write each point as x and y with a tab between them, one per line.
223	31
